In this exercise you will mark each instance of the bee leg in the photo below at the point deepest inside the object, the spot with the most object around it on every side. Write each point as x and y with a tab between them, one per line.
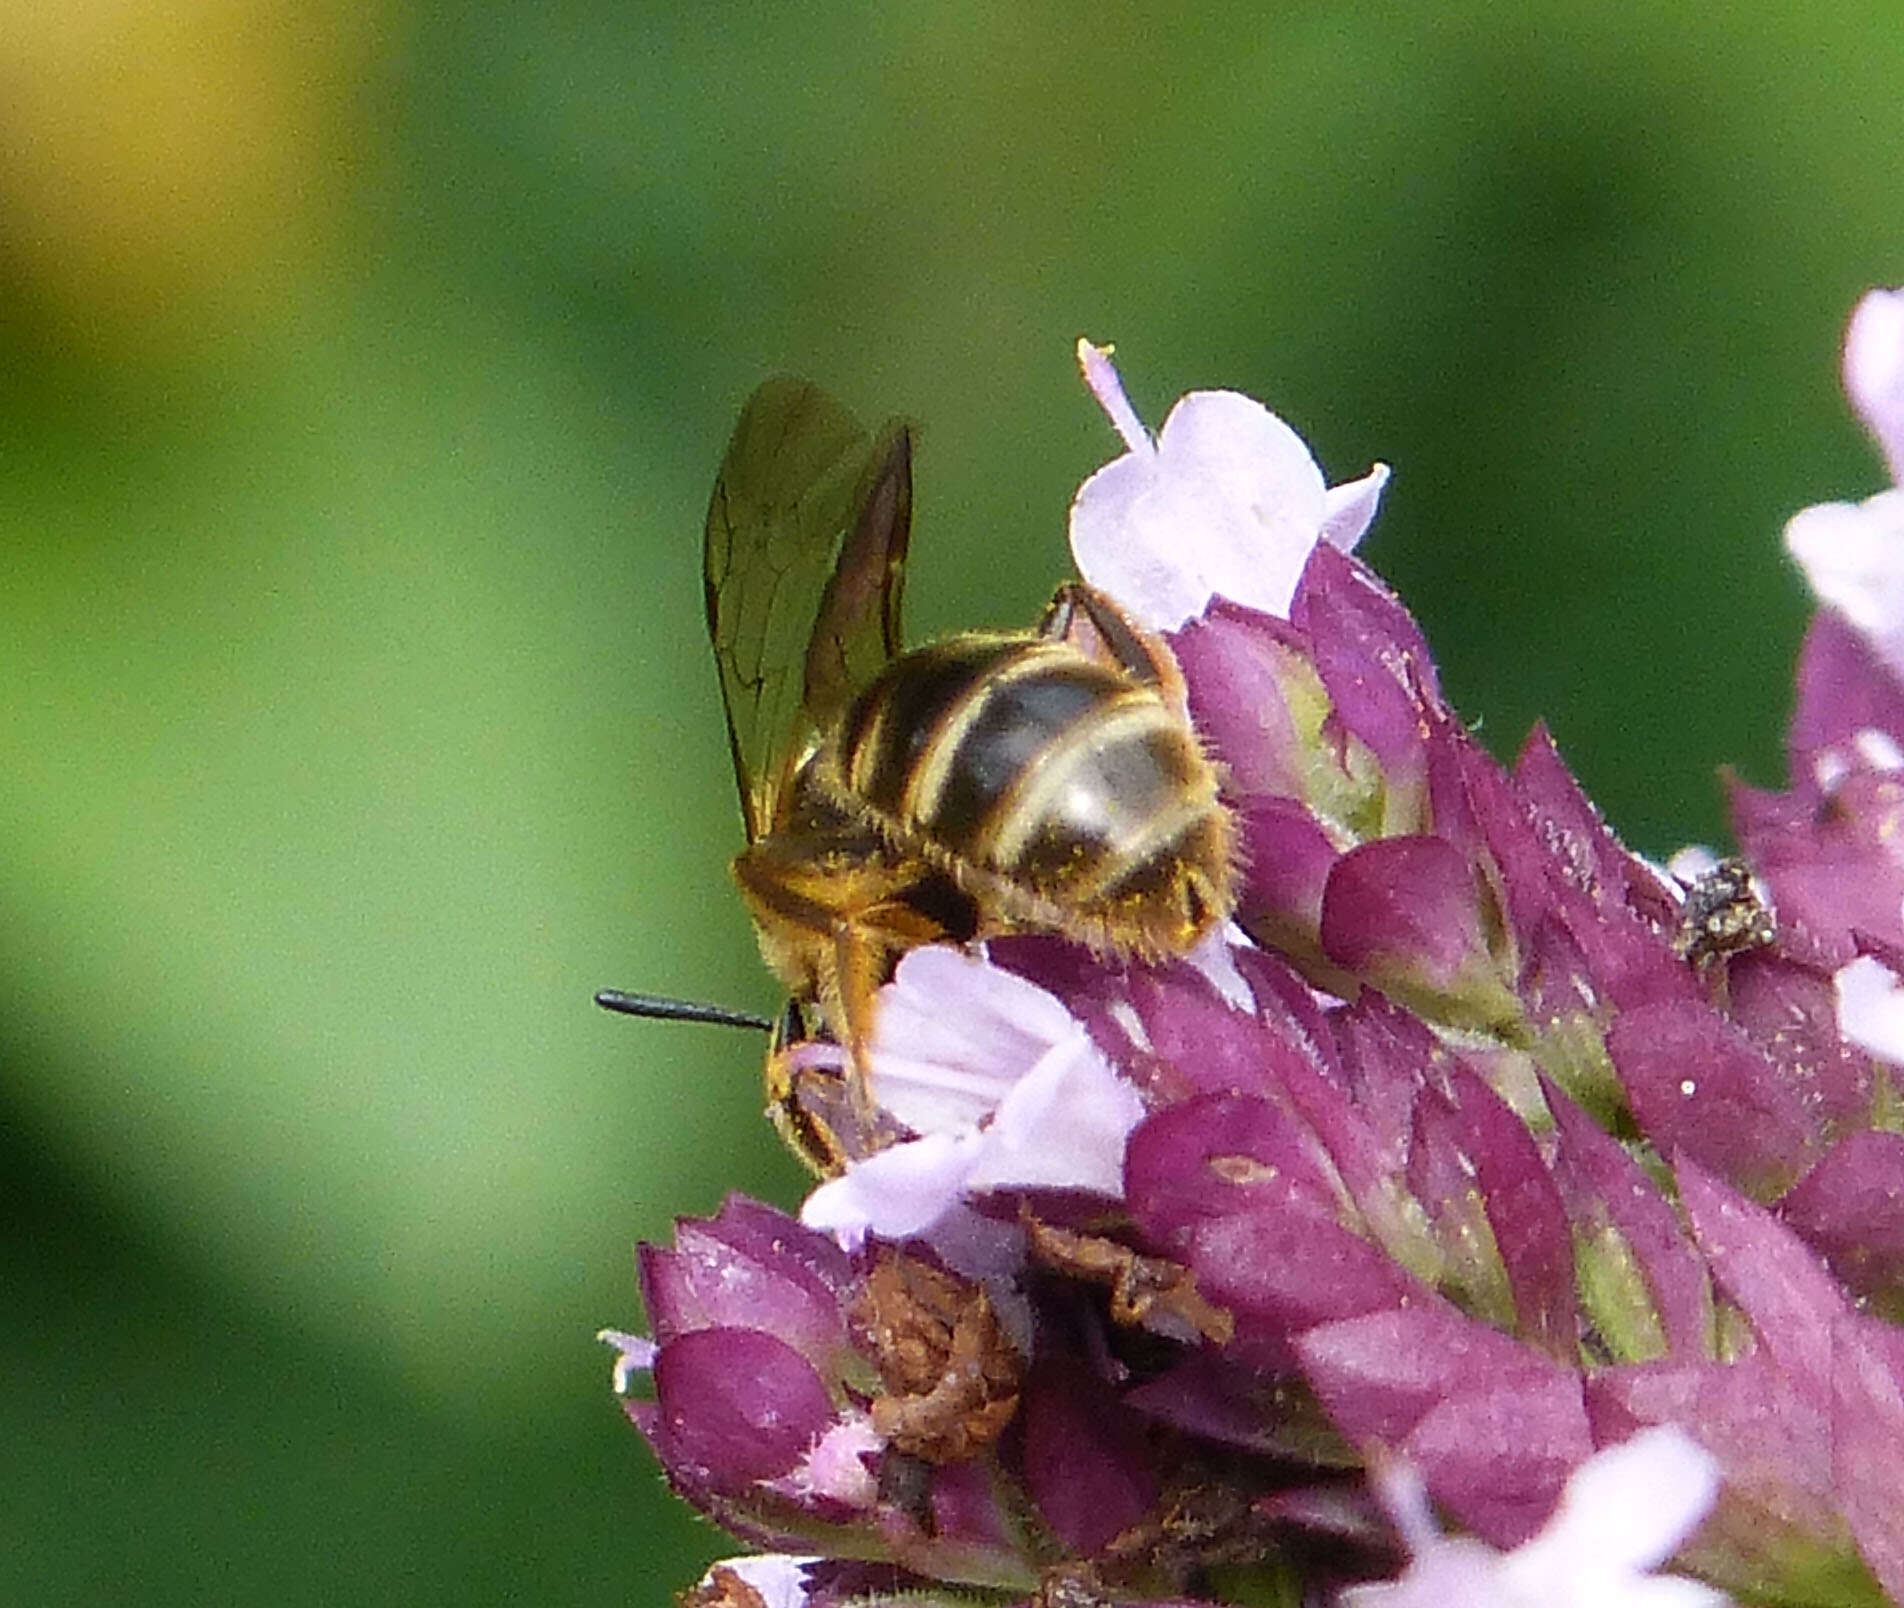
865	952
1084	618
805	1078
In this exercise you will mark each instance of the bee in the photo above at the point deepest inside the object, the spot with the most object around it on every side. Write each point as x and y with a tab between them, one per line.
1727	912
990	783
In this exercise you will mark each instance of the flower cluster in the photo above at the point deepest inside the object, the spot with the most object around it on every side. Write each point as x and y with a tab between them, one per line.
1482	1167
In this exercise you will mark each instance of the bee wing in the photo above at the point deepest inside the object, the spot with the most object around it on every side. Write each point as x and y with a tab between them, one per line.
806	549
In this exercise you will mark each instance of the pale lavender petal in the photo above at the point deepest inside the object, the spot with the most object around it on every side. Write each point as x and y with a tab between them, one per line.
1063	1126
1241	501
1230	504
1874	371
953	1033
895	1193
1871	1007
1689	864
1118	549
1348	509
1002	1082
1853	556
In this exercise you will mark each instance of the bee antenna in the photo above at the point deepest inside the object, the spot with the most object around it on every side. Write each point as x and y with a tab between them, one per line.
662	1008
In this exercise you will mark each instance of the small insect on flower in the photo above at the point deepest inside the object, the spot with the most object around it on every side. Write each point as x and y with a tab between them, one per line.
1727	912
993	782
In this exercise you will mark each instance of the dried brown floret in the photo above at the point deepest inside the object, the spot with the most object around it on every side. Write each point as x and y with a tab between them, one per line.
951	1373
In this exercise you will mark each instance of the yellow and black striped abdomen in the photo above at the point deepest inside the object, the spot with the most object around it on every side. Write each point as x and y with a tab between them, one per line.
1069	794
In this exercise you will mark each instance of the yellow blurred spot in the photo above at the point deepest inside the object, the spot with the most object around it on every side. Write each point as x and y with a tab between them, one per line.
164	163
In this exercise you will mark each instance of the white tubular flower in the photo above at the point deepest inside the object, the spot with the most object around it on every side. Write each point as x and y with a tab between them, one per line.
1001	1083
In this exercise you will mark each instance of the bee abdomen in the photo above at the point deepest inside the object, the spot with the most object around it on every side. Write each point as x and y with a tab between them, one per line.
897	728
1058	776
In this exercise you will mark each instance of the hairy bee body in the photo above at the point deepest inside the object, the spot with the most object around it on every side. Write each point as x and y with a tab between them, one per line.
1060	792
1039	781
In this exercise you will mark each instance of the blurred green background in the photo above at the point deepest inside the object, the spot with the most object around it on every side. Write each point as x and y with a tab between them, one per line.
365	367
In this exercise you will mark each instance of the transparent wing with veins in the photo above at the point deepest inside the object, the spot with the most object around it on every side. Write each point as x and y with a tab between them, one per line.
805	560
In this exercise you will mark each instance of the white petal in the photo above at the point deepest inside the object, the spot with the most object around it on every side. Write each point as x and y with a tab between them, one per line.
1874	371
1450	1574
1691	863
1350	507
1878	749
1624	1510
1113	546
1871	1007
780	1578
894	1193
1004	1087
1853	556
1215	959
1244	501
1063	1126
